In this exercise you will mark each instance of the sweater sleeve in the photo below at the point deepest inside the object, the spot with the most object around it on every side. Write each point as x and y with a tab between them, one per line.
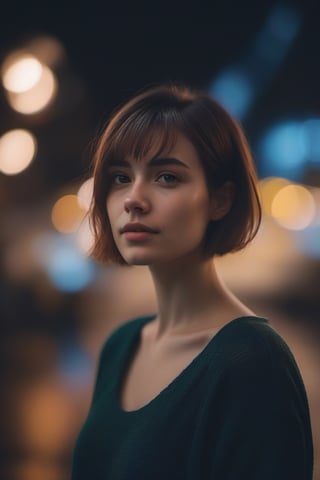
263	432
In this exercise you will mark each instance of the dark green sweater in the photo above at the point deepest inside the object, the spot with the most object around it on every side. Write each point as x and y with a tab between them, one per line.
238	411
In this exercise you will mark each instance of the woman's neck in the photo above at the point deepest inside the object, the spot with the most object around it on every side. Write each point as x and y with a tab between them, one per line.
192	297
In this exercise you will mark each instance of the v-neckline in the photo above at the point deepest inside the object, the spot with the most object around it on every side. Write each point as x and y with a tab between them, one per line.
133	345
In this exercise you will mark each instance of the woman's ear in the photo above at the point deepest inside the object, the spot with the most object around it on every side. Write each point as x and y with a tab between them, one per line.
221	200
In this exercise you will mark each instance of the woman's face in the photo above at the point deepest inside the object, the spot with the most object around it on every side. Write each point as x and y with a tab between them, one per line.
159	207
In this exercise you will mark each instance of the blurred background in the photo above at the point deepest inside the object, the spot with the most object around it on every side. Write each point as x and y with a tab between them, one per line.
63	69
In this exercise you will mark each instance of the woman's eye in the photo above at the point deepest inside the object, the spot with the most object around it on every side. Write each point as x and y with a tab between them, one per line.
168	178
119	179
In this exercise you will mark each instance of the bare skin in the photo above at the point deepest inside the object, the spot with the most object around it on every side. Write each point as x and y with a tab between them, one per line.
192	309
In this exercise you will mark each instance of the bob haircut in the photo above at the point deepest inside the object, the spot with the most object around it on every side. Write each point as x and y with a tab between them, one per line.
153	118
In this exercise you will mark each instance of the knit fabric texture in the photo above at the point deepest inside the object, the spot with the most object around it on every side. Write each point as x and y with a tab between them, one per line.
238	411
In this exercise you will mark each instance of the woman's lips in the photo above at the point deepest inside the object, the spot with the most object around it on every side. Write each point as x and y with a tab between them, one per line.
138	236
137	232
137	227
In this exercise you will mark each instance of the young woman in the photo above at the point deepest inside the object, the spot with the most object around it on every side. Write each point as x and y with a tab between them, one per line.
204	389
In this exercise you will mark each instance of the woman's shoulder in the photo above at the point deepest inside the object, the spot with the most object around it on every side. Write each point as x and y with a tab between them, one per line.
256	360
250	331
252	340
250	360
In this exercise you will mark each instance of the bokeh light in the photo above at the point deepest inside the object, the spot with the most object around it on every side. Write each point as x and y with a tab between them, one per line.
69	270
46	417
17	150
293	207
268	188
66	267
238	85
85	194
276	37
233	89
36	98
308	240
47	49
67	214
84	237
311	132
283	151
22	74
315	192
76	367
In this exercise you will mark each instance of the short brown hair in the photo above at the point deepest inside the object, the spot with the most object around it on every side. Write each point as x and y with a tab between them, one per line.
221	146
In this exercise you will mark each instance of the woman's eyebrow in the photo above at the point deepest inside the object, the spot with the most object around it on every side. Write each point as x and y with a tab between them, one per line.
154	162
160	162
118	163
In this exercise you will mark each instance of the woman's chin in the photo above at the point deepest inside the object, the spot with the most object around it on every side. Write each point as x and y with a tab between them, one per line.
138	261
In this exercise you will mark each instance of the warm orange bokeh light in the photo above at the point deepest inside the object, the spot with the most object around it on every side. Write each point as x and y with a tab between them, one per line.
67	214
269	187
293	207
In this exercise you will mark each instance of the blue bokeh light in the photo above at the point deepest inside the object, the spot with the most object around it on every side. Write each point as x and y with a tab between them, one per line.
76	367
311	132
238	86
283	151
233	89
308	240
284	23
67	268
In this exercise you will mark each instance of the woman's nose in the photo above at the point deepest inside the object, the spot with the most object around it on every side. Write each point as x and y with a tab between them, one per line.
136	201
